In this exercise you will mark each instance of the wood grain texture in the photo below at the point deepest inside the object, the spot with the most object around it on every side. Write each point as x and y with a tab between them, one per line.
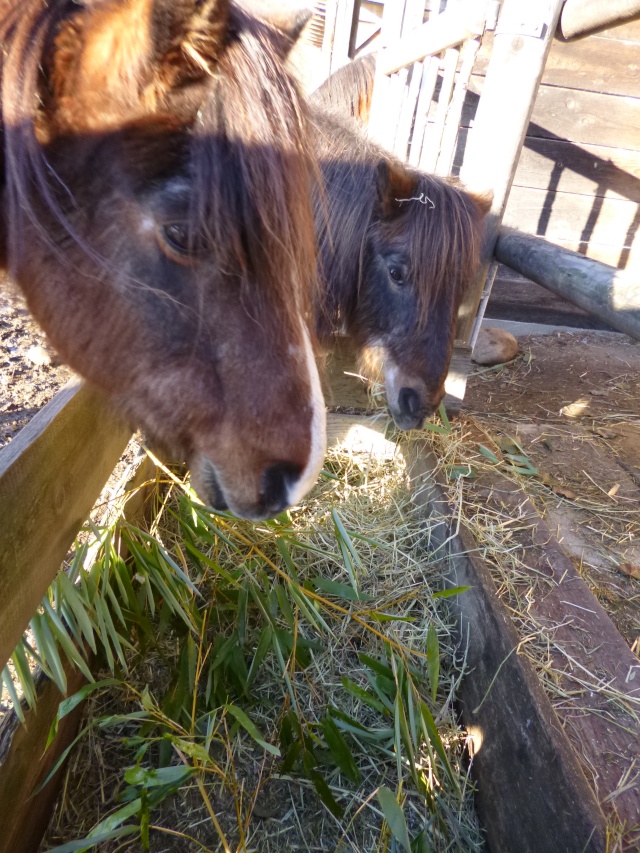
584	16
572	218
604	291
24	763
594	64
570	114
532	794
509	96
591	170
50	476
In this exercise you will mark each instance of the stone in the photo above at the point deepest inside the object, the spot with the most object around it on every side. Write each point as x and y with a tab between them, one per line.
494	346
38	355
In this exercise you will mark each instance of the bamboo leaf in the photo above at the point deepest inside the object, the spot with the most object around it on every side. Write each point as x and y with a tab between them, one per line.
48	651
89	842
79	610
394	817
488	454
340	750
448	593
8	683
363	695
24	674
251	728
71	702
154	777
433	660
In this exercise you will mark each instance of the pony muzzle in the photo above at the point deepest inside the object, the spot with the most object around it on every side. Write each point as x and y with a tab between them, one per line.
410	401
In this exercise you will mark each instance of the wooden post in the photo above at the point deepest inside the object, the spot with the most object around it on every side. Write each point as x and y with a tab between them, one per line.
50	476
522	41
604	291
345	12
580	17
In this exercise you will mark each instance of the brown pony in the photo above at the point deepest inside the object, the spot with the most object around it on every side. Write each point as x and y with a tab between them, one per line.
155	209
397	249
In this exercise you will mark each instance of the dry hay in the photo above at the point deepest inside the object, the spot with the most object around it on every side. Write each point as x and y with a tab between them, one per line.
374	544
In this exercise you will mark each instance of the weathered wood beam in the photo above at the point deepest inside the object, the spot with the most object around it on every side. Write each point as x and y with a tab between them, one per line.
604	291
50	476
580	17
451	28
522	41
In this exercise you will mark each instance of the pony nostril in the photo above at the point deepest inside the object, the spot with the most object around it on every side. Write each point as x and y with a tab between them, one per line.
276	483
409	402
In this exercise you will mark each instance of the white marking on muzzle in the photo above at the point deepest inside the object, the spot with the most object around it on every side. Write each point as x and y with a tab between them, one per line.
318	430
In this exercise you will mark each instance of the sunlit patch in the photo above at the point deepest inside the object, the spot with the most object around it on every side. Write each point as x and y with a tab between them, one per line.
475	738
574	410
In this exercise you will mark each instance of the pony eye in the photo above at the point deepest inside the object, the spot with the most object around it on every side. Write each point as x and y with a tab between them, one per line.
396	275
177	236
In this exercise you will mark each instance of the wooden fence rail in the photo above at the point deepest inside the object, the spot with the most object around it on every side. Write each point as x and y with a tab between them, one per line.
51	474
602	290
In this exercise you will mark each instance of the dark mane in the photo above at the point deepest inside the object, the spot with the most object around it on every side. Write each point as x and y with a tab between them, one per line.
241	120
437	220
348	90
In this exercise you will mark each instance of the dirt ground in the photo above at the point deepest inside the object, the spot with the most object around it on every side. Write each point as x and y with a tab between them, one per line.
572	402
30	374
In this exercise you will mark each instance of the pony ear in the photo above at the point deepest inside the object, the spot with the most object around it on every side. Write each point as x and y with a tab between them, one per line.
483	202
288	20
394	184
188	37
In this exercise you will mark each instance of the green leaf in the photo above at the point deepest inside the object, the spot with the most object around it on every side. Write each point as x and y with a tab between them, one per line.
67	705
340	750
378	616
24	674
488	454
324	792
49	651
340	590
433	660
448	593
8	682
72	652
89	842
251	728
394	816
364	695
79	610
153	777
192	749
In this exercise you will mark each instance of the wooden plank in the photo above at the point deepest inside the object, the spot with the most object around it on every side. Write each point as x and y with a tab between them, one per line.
568	217
580	17
491	158
516	298
581	117
24	760
557	164
444	31
590	170
435	129
408	111
590	659
25	765
593	64
452	124
532	794
50	476
603	291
